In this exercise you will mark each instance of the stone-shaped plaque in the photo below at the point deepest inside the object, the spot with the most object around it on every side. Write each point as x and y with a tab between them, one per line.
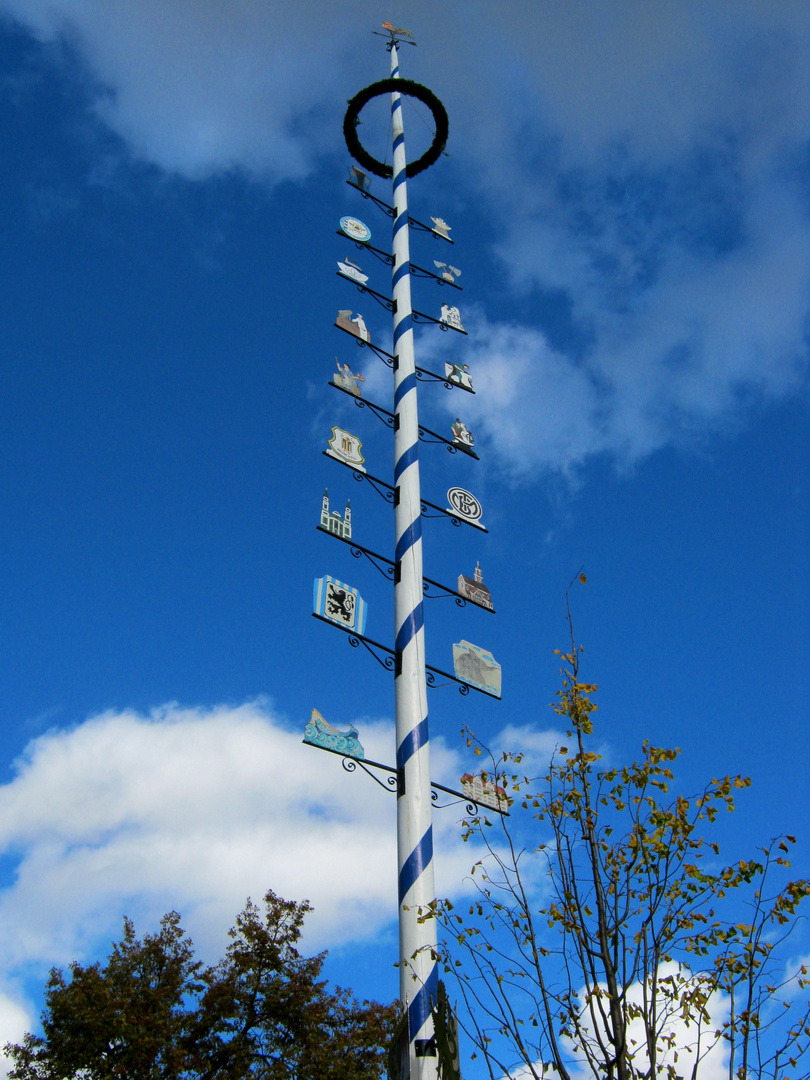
477	667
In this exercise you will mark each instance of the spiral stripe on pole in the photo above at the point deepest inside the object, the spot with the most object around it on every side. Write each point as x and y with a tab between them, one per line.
404	387
418	968
411	744
419	1008
399	273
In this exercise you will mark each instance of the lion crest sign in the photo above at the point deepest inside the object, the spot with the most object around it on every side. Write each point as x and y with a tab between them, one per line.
339	603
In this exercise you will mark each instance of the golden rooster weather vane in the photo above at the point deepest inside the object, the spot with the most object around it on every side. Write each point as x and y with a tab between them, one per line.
397	34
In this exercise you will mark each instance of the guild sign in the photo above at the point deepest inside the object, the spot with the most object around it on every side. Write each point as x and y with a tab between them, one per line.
441	227
449	273
359	179
465	505
355	229
458	374
341	527
351	325
478	667
462	438
480	790
346	379
346	448
451	316
352	271
339	604
320	733
472	589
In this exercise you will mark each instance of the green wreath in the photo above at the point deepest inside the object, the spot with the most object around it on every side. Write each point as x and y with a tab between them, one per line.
409	88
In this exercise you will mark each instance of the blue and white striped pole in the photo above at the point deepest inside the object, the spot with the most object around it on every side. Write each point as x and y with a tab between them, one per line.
417	941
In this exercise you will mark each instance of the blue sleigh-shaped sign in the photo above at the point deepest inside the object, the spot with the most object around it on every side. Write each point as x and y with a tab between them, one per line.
319	733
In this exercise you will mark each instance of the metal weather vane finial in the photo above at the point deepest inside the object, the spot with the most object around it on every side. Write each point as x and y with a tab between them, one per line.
396	34
396	29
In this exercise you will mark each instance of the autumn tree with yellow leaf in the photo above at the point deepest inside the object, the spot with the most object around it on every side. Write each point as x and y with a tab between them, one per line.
619	945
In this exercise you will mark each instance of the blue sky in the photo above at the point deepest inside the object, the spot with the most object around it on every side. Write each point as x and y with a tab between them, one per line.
628	188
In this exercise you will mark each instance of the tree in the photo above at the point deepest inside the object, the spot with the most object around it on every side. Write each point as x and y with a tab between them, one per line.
266	1013
153	1012
617	944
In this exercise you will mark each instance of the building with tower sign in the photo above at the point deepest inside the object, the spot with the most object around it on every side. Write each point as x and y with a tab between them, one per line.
334	523
475	590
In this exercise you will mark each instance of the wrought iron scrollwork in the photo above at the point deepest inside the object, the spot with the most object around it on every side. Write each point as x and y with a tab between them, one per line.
381	354
420	271
455	518
444	591
393	780
421	227
383	301
381	414
432	590
384	206
425	432
431	376
427	507
430	679
383	490
443	805
388	662
388	571
383	256
350	765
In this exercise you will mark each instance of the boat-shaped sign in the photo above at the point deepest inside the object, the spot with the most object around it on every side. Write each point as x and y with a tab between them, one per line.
352	271
320	733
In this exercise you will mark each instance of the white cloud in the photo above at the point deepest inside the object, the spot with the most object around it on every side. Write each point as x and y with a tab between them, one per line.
189	808
533	407
645	165
205	87
195	809
657	79
662	201
15	1020
684	358
198	87
692	1043
536	745
682	1046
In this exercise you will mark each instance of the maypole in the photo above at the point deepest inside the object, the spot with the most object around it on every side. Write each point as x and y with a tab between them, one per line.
425	1046
417	937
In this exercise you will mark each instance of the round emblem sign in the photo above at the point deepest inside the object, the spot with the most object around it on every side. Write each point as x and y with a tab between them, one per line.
464	504
356	229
